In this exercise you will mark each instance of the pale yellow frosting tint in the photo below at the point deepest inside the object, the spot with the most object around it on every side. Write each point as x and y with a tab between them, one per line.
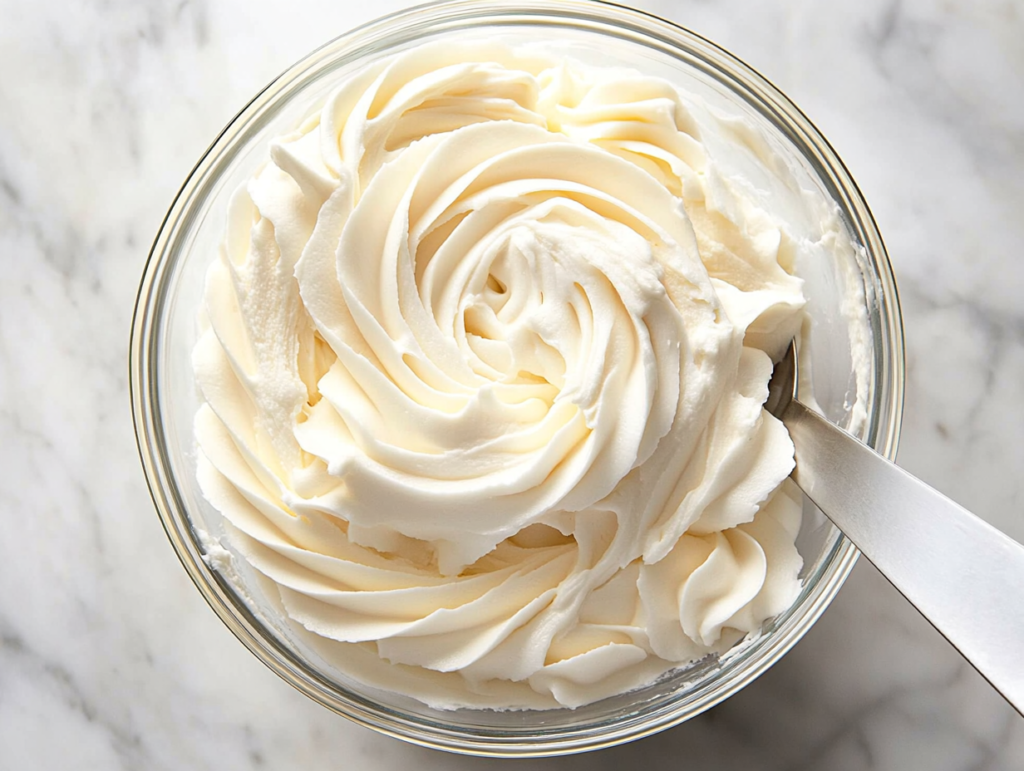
485	356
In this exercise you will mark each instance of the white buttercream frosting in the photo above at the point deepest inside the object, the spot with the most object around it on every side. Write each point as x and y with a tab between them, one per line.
484	358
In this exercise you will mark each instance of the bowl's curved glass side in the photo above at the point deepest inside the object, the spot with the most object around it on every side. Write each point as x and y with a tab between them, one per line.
163	458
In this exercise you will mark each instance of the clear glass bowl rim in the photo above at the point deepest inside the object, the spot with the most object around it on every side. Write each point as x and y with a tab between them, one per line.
884	411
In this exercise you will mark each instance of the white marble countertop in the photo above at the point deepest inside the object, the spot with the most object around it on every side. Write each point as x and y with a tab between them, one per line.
110	659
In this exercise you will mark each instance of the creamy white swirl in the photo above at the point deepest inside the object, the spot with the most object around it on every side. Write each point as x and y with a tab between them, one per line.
486	353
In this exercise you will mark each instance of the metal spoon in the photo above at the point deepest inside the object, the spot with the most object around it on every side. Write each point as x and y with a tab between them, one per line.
963	575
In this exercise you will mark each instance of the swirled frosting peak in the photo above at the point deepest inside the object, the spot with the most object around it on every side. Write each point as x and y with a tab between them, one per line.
483	360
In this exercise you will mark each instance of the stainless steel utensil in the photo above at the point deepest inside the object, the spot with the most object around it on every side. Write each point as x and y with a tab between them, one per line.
962	574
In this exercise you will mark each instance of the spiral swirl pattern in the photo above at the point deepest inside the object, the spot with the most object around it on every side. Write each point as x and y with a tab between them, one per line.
483	364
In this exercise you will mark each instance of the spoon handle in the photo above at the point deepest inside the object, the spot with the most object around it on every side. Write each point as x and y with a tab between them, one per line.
966	577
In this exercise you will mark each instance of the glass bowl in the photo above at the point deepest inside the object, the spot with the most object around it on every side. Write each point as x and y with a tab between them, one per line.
852	297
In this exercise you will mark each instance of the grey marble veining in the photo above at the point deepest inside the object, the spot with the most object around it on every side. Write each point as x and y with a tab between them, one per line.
109	659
